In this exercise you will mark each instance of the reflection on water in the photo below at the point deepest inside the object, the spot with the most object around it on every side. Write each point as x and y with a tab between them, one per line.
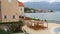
55	16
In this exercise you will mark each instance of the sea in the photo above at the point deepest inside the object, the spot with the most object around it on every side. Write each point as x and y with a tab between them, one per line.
49	16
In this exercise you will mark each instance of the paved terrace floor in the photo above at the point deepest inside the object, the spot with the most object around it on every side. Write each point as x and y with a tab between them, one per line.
50	30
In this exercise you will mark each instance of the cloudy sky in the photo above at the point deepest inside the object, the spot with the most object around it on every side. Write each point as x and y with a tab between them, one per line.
39	0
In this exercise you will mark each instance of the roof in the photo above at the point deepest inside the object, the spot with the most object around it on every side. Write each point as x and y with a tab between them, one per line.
20	4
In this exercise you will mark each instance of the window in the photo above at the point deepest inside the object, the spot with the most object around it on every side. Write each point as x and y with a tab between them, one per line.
9	1
5	17
19	16
21	9
13	16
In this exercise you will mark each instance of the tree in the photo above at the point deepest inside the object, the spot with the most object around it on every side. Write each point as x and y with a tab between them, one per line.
28	9
51	10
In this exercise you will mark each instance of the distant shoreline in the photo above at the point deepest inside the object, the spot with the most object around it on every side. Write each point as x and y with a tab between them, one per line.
52	21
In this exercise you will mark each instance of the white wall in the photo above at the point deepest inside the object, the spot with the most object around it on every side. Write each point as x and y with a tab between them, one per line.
21	11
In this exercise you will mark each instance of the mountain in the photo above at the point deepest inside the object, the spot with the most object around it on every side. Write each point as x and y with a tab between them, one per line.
43	5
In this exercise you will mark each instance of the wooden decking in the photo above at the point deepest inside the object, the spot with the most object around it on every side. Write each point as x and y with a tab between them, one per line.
34	24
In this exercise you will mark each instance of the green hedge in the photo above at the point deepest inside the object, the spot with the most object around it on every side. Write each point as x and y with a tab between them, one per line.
4	32
14	28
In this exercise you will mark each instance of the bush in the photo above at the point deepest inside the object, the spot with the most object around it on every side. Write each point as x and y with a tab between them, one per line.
45	20
14	27
4	32
21	23
35	19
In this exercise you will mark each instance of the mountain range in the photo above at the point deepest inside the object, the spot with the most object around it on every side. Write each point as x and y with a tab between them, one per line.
43	5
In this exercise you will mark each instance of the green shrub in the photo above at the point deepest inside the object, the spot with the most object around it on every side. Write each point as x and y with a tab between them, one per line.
35	19
14	27
4	32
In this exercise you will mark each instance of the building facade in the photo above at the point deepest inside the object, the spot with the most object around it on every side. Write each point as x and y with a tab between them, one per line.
9	11
21	8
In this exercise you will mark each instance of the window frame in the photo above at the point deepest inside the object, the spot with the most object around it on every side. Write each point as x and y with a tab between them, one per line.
14	16
21	9
5	16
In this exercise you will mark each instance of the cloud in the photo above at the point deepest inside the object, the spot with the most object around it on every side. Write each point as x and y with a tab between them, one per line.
39	0
54	1
23	0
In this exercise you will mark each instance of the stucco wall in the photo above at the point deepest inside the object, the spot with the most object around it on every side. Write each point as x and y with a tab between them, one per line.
21	11
9	9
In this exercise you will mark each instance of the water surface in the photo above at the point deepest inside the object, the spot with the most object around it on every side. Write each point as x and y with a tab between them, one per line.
52	16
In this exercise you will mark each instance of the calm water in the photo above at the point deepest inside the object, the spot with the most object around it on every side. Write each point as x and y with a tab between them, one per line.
53	16
57	30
